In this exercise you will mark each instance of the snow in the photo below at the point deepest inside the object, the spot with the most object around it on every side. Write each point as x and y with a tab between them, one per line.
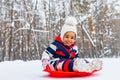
32	70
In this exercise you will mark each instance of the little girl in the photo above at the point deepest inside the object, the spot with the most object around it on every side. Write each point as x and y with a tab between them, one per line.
62	54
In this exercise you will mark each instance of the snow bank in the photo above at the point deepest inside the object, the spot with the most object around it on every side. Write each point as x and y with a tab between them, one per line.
32	70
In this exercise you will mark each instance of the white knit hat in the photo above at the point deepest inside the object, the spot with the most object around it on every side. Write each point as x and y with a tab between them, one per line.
70	25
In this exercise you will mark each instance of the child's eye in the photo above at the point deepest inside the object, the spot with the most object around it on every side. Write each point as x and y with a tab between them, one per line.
67	36
72	37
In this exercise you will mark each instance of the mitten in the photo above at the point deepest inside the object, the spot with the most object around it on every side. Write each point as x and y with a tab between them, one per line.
44	63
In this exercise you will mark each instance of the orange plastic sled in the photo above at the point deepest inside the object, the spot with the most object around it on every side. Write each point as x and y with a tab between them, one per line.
67	74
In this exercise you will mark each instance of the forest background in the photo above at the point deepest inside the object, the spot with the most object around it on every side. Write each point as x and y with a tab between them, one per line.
27	27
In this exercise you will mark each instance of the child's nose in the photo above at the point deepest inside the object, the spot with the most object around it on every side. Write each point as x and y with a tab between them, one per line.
69	39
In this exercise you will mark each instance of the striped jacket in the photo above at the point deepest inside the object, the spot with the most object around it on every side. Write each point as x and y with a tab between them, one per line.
61	57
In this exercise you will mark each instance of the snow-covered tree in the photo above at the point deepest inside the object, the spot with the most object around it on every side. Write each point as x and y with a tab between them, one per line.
27	27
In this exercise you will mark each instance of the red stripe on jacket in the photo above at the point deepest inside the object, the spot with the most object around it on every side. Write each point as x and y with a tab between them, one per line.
66	65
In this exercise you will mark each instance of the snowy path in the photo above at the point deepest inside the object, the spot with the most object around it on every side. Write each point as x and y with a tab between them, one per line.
32	70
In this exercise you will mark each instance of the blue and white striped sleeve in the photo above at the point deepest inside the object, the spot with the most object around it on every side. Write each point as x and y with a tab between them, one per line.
77	53
49	52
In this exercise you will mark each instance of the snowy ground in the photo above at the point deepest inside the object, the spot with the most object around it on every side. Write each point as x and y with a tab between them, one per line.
32	70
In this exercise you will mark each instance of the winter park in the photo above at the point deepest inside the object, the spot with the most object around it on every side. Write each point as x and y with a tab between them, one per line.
59	39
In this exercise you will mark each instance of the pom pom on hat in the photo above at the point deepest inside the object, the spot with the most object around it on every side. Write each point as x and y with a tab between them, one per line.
71	21
70	25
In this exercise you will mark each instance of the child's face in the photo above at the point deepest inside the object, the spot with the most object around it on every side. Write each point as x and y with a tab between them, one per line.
69	38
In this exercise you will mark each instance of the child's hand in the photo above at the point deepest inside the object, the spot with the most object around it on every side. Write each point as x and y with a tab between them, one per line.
44	63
